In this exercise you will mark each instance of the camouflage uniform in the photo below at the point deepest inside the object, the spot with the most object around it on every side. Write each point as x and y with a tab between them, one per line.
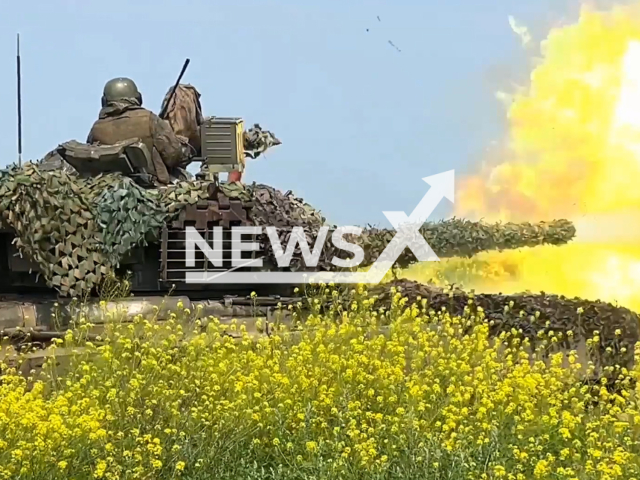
125	118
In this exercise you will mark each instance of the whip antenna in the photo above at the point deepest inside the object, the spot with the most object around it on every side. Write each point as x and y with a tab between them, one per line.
163	112
19	103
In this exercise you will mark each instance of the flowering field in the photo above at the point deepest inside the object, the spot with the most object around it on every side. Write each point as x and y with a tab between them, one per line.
404	393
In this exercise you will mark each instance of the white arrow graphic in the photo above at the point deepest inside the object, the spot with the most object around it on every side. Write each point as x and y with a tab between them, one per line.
442	185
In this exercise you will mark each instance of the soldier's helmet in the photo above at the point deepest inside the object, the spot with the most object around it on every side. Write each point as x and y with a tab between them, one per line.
120	88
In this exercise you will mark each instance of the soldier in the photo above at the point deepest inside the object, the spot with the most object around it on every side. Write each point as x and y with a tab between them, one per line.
122	117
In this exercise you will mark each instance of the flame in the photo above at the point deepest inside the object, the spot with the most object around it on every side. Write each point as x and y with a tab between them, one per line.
572	151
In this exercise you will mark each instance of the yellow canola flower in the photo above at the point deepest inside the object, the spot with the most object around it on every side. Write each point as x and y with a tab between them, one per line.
342	394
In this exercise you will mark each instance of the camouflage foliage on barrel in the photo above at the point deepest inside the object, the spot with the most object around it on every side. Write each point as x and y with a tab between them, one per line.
464	238
77	229
448	238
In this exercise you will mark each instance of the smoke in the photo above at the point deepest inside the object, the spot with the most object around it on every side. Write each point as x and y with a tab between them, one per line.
520	30
571	150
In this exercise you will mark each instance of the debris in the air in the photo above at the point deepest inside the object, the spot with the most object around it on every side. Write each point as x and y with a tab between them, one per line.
391	43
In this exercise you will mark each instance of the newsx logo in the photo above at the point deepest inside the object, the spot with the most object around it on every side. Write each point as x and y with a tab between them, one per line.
407	236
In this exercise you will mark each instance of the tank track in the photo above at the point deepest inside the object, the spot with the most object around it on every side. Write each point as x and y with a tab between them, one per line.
29	324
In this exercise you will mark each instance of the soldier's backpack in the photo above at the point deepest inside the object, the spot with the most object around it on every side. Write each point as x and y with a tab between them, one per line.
184	114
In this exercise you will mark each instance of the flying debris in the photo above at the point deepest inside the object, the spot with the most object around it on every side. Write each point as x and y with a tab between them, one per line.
391	43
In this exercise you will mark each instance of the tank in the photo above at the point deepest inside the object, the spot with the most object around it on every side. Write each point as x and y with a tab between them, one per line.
86	212
86	219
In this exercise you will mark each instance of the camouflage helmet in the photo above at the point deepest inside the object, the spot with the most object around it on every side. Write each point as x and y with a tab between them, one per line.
120	88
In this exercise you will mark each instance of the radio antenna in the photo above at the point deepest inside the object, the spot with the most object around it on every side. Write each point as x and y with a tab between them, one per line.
19	103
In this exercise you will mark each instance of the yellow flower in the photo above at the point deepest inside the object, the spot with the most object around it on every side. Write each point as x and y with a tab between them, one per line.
334	386
541	469
499	471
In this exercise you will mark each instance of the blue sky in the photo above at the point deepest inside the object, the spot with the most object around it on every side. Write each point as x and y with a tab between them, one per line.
361	123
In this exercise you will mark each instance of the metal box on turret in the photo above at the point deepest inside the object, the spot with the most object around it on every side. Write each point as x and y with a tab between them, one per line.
222	144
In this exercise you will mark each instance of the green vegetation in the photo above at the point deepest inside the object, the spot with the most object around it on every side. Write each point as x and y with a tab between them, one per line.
359	391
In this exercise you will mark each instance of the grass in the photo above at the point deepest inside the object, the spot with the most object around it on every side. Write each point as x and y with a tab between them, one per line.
431	397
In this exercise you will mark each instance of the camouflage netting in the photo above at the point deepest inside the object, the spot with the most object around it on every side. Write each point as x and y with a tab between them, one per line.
283	211
448	238
464	238
571	320
126	215
77	229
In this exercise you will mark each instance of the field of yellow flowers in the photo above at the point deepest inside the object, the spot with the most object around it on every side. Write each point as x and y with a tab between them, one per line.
405	393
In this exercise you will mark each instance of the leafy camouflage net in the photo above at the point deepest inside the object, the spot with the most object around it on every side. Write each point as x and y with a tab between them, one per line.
572	321
77	229
257	141
55	226
126	214
464	238
271	207
448	238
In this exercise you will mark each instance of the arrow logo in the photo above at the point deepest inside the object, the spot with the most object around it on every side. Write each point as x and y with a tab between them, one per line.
408	228
442	185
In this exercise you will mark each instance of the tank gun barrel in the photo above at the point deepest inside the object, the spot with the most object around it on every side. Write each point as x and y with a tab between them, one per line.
447	238
464	238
